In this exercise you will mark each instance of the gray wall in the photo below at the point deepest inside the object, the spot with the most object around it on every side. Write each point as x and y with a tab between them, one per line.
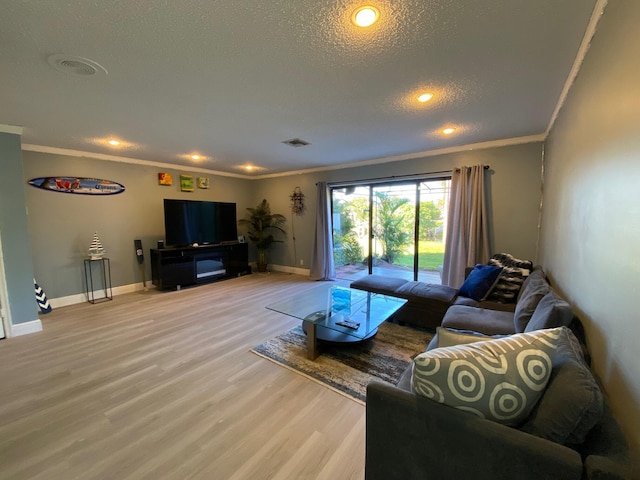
514	185
15	235
62	225
591	217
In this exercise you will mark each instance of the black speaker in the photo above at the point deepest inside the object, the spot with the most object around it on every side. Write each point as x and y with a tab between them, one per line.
139	251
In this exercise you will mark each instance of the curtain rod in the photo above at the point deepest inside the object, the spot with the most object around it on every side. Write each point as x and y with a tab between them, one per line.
485	167
395	178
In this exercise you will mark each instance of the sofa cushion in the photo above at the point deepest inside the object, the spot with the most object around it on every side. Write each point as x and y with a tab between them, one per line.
404	383
427	294
513	275
490	304
469	302
427	303
536	277
533	289
490	322
552	311
449	337
572	403
480	281
378	284
499	379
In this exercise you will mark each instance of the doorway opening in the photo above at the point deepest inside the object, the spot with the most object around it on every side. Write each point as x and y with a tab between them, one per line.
5	320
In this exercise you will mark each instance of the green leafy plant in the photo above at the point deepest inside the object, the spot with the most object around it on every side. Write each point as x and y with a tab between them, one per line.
430	221
391	227
261	226
347	250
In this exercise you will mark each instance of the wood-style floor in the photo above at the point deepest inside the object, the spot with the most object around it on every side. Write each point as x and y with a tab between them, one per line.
163	386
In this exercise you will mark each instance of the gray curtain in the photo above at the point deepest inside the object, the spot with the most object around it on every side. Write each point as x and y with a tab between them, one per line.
322	267
467	241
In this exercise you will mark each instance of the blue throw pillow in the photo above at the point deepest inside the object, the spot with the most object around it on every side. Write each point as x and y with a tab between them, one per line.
480	282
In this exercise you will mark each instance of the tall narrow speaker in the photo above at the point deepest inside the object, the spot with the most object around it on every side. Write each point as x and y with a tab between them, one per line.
140	258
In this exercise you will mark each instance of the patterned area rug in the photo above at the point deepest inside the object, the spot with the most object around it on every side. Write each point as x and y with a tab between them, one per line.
348	368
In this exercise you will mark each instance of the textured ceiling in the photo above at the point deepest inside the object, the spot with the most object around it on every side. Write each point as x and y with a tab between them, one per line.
233	79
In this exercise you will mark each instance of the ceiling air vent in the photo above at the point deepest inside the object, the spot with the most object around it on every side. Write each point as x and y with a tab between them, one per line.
75	66
296	142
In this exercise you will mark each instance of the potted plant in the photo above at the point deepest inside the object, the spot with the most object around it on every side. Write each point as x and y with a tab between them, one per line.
262	225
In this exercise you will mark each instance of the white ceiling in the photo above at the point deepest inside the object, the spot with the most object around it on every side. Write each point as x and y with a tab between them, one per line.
233	79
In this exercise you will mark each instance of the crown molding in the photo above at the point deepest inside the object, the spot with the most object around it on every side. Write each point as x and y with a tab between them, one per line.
376	161
11	129
134	161
598	12
411	156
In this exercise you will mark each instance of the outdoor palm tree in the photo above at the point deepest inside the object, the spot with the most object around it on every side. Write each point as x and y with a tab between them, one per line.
391	228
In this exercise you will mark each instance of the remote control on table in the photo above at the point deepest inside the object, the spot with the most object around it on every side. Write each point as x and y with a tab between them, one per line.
349	324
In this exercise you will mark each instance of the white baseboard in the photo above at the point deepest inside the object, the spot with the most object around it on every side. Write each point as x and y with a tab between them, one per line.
297	271
26	328
82	297
135	287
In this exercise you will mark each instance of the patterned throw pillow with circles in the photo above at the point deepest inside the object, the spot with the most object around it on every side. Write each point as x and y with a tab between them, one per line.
500	379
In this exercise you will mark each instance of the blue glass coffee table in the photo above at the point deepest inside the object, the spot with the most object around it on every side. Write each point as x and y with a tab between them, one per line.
338	314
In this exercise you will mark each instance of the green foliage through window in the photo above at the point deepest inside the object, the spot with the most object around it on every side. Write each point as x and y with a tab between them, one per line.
393	226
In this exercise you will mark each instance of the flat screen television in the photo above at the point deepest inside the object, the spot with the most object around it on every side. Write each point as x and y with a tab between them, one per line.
190	221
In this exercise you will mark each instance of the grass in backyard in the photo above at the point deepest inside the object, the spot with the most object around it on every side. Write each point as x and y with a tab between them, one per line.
430	258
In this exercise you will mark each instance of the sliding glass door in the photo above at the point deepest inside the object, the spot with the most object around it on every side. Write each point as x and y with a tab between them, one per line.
394	220
350	207
432	224
393	228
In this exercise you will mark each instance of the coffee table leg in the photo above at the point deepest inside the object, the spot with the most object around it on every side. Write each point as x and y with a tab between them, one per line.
312	341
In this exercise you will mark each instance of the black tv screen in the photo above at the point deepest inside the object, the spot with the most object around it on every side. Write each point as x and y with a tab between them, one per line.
190	221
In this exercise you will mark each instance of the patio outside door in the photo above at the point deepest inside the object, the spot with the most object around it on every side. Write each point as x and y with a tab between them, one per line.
394	221
393	229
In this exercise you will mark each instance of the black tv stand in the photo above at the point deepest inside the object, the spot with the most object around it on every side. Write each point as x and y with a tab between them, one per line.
177	267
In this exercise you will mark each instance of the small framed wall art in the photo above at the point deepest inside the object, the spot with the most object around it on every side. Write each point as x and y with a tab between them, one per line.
165	178
203	182
186	183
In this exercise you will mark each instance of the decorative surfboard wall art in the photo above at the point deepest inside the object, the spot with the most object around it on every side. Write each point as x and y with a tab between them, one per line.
78	185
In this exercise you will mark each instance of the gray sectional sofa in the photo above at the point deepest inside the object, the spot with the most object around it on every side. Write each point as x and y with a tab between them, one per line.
570	434
537	302
426	303
433	305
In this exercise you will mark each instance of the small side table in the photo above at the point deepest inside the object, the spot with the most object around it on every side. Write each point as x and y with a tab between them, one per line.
104	272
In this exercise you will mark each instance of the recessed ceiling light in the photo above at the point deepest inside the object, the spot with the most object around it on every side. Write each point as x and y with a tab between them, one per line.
365	16
248	168
196	157
448	131
425	97
111	142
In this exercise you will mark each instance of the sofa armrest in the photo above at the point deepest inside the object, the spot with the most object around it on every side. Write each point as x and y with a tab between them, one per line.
598	467
606	451
409	437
